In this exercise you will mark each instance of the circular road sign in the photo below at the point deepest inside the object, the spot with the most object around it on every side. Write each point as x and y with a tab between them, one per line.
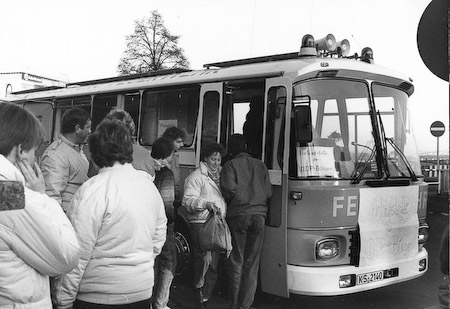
437	128
432	38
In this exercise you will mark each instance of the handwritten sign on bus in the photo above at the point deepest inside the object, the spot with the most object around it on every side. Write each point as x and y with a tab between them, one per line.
164	124
388	224
315	161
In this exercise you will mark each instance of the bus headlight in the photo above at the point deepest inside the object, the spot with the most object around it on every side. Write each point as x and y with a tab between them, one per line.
423	234
327	248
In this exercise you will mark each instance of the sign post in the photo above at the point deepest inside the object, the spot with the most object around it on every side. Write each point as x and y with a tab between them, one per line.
437	129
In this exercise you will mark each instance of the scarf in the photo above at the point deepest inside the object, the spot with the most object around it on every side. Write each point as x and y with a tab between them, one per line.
215	176
161	163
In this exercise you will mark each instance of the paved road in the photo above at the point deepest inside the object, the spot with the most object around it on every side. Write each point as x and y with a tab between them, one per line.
420	293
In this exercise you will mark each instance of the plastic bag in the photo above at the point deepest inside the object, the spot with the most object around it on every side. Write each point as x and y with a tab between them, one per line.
215	234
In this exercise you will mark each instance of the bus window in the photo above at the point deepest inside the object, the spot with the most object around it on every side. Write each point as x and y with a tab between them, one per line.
43	112
131	105
102	105
391	105
274	148
210	117
61	105
342	130
165	108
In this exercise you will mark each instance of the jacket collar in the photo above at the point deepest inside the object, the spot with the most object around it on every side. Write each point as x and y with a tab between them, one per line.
204	168
116	166
77	147
242	154
204	171
9	171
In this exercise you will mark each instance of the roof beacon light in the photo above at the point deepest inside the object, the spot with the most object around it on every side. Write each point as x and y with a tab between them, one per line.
343	47
367	55
308	46
327	43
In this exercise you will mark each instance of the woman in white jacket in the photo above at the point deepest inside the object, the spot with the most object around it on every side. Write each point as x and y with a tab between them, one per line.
36	238
120	221
202	195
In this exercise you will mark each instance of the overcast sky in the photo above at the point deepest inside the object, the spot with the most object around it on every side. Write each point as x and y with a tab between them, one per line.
84	39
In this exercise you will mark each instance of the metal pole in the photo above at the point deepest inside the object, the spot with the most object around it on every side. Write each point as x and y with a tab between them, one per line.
438	168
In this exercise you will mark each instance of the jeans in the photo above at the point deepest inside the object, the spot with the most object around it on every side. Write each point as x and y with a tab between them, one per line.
205	264
247	233
165	267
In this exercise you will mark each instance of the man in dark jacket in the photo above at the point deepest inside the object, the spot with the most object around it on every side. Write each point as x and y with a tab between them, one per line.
246	187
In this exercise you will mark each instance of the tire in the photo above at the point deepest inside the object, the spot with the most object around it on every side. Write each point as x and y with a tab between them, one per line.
184	253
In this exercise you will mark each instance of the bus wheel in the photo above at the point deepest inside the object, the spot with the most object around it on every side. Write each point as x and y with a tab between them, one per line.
183	253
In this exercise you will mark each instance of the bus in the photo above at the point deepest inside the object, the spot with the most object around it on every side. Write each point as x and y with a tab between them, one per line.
348	210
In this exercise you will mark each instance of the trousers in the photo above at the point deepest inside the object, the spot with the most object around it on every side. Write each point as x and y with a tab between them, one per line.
247	233
165	267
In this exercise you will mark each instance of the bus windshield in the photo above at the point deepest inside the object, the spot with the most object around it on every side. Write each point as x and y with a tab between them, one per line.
343	143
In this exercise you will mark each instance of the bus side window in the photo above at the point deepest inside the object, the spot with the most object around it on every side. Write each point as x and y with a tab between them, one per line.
210	117
274	150
166	108
102	105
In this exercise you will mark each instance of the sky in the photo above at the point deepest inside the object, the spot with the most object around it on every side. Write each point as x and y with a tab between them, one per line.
84	39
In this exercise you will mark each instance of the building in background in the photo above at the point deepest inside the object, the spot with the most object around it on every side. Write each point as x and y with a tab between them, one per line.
18	81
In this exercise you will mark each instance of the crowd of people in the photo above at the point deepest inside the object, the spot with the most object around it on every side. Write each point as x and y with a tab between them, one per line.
98	232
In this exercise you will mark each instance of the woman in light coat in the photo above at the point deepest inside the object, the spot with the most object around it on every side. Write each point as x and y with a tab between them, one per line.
119	218
36	238
202	195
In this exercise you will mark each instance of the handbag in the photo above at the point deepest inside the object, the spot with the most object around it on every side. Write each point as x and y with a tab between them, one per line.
215	234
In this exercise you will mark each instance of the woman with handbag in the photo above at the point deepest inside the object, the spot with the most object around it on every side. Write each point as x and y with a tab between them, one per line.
201	196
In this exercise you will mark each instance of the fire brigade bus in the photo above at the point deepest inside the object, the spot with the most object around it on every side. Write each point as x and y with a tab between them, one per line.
349	202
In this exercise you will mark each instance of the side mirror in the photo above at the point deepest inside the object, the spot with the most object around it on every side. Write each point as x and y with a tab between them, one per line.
302	117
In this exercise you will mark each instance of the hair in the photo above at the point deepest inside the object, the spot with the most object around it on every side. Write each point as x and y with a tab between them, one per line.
72	117
173	133
18	127
236	144
210	149
162	148
124	117
111	143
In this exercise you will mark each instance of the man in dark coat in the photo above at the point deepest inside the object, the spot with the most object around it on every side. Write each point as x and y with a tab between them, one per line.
246	187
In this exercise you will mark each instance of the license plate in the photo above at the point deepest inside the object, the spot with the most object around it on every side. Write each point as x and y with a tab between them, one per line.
369	277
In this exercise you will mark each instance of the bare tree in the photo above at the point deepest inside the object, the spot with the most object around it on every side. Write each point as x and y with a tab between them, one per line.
151	48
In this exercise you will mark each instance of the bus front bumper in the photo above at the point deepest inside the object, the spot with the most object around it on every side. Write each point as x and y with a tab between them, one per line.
322	281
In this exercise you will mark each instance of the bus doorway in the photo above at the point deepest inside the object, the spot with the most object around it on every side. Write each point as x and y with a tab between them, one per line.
258	111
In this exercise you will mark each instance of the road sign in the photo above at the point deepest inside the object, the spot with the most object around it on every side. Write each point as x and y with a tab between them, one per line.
437	129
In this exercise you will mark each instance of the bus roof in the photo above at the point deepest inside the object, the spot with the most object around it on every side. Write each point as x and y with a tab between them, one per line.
299	68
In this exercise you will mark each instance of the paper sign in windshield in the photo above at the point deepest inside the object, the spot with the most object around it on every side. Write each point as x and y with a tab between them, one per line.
317	161
388	224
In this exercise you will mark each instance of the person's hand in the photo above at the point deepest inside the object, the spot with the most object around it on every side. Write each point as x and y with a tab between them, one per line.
212	207
34	180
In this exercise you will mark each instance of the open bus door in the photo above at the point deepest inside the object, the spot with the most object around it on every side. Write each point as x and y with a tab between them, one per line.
273	268
208	128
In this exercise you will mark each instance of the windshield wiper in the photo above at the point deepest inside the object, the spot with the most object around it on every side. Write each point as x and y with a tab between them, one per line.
397	149
357	174
404	159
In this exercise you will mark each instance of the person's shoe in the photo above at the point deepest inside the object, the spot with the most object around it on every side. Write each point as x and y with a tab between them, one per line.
198	295
203	305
